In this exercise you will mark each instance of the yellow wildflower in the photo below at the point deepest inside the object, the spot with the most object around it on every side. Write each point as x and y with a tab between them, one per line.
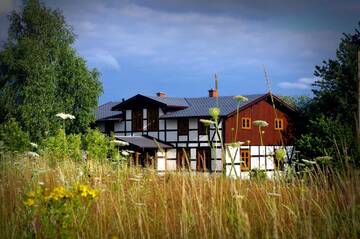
29	202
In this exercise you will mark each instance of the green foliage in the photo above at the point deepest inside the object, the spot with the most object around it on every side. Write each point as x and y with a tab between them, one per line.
326	136
257	174
96	144
327	122
41	74
61	146
74	147
13	138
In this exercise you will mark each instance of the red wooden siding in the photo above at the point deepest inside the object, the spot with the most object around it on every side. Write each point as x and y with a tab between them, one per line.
261	110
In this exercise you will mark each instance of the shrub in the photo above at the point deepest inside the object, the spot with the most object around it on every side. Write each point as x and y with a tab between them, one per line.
258	174
96	144
56	147
13	138
74	147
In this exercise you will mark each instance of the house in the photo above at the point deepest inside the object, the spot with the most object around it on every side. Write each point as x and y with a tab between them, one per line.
166	132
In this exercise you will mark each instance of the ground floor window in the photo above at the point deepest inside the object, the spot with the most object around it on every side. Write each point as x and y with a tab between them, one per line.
245	157
203	160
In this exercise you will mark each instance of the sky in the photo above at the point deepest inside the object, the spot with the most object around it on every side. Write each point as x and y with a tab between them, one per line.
176	46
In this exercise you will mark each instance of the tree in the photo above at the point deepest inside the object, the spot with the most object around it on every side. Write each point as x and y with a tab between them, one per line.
336	88
41	74
330	117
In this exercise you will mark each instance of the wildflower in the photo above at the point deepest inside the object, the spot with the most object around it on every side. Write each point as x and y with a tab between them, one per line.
207	122
33	145
32	154
280	154
31	194
124	153
29	202
260	123
214	112
240	98
41	183
130	151
236	144
65	116
120	143
248	142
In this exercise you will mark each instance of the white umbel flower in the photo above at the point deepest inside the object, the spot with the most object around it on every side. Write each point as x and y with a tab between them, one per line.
65	116
120	143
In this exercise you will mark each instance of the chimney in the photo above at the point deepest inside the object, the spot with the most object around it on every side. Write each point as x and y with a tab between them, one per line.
161	94
213	93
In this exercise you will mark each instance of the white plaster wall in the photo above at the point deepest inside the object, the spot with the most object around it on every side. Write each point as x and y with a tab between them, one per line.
254	150
193	123
204	145
183	138
232	152
171	136
194	145
171	165
262	163
119	126
182	145
161	124
161	161
203	138
216	153
153	134
171	124
128	114
137	133
128	126
171	153
193	153
144	125
145	113
161	112
193	165
216	164
193	136
162	136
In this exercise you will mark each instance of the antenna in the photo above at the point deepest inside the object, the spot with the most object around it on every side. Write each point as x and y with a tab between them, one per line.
216	82
272	99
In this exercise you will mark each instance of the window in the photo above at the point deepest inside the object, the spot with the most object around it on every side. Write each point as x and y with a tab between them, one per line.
183	126
202	128
203	160
245	157
109	127
279	124
137	120
153	119
183	158
246	123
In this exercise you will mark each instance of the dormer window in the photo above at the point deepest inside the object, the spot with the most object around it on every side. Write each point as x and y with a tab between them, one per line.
183	126
279	124
137	120
153	119
246	123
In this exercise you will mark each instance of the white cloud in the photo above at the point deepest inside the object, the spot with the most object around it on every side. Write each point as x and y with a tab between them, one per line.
301	84
101	58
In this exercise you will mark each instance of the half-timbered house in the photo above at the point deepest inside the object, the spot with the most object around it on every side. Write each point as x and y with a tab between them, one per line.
166	132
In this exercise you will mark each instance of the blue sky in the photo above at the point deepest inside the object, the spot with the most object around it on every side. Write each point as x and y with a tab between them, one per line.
176	46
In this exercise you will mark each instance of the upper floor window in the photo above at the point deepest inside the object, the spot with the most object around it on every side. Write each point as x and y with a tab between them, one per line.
202	128
183	126
246	123
137	120
153	119
279	124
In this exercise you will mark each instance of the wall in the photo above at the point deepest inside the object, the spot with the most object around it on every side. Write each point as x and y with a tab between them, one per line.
262	110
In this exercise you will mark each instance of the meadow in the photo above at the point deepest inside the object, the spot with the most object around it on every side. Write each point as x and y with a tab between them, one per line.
93	199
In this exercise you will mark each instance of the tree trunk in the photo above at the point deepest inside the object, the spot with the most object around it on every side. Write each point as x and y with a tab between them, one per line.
358	118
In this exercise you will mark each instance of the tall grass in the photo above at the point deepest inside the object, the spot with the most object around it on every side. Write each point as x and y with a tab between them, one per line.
140	203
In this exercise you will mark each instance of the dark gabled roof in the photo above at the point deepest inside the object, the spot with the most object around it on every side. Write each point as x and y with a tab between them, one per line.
144	142
104	112
199	107
169	102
